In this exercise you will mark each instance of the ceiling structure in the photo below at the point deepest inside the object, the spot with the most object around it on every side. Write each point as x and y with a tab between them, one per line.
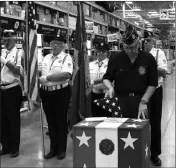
140	11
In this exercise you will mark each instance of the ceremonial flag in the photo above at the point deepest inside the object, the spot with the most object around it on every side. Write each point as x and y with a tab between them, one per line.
33	83
81	90
110	104
114	142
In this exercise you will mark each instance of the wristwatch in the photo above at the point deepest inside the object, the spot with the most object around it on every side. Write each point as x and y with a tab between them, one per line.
143	102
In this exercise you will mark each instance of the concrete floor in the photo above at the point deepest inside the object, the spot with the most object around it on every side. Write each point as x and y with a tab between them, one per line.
31	153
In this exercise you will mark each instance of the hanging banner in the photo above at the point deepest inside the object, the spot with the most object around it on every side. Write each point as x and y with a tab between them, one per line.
49	30
8	23
167	14
112	37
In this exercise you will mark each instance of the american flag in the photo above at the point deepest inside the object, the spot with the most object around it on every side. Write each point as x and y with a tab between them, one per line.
110	104
33	84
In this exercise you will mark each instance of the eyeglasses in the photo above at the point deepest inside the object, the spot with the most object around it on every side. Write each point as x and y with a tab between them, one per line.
55	43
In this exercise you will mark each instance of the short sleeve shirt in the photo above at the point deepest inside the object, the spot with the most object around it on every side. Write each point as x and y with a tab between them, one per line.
97	70
132	77
56	64
14	56
161	61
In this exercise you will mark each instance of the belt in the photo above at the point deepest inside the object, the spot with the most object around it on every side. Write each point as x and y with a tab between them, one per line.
98	91
8	86
55	87
131	94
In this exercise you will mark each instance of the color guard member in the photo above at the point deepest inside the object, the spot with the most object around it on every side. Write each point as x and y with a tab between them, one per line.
57	69
97	70
11	95
156	99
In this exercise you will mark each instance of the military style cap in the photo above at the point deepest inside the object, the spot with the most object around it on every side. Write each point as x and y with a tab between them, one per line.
9	34
103	46
130	36
60	38
148	34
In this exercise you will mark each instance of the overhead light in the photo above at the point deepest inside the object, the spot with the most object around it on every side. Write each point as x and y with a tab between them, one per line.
136	23
152	12
129	2
136	9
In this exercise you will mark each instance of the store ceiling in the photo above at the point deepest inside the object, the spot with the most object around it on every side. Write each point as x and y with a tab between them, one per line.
166	27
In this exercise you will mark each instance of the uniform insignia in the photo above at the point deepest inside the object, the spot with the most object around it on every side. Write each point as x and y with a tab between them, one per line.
133	36
69	64
141	70
105	66
164	61
59	61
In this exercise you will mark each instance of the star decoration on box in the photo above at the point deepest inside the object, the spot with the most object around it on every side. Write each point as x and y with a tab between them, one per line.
146	151
132	125
129	141
109	104
83	139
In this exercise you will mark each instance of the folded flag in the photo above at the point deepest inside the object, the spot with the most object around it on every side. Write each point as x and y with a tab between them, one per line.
110	104
114	142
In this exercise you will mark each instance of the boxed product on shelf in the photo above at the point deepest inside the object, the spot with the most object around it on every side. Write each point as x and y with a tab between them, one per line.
40	10
86	9
70	6
15	10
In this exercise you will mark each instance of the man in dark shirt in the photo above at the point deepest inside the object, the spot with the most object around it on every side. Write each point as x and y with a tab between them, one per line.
134	73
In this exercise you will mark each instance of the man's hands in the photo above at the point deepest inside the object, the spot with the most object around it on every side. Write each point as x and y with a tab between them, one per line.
42	79
3	60
143	110
110	93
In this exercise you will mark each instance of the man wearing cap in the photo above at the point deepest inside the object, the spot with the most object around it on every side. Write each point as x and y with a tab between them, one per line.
97	70
134	73
156	99
11	95
56	72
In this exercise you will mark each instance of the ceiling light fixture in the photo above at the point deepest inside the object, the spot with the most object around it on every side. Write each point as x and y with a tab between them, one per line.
129	2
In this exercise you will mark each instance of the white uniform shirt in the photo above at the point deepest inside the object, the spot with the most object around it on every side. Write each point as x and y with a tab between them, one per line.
97	70
60	63
14	56
161	61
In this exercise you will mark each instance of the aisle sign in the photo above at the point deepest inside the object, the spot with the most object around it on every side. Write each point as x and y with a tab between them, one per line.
112	37
167	14
8	23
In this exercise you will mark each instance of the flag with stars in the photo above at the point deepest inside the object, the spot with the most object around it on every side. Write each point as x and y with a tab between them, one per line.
33	84
113	142
111	105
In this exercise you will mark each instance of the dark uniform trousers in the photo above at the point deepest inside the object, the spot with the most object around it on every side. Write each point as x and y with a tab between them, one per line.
11	100
129	104
96	110
55	105
155	121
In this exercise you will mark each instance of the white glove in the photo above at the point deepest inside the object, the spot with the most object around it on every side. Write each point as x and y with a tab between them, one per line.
3	60
43	79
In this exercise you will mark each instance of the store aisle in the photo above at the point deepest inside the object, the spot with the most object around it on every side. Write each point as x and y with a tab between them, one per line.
31	141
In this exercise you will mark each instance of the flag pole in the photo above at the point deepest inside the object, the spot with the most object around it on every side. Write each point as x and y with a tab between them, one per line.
42	132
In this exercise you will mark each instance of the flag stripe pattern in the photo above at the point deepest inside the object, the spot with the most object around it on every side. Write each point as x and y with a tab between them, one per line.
114	142
33	84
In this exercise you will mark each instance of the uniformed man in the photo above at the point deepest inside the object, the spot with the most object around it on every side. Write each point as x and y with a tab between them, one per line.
156	99
97	70
57	69
11	95
134	73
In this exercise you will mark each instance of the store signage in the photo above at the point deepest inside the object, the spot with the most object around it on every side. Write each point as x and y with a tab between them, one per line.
167	14
8	23
112	37
49	30
100	38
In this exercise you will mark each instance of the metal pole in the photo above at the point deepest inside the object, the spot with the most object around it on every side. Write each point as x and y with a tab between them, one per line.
42	132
